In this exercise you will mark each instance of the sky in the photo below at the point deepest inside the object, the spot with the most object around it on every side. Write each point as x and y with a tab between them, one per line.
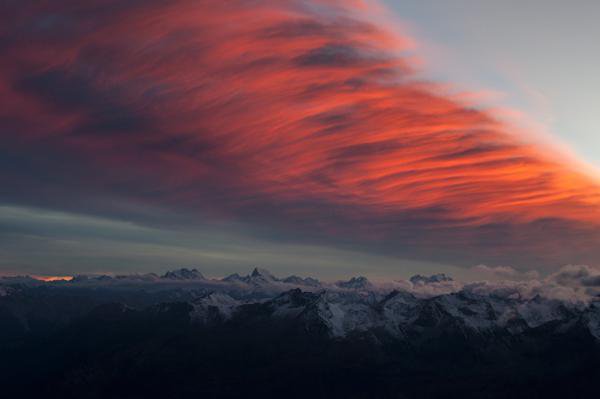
536	56
316	137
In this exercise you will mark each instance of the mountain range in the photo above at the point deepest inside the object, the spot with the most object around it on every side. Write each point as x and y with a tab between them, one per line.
342	308
182	333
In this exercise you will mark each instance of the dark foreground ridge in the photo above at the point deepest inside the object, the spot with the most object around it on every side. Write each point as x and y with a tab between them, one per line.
183	335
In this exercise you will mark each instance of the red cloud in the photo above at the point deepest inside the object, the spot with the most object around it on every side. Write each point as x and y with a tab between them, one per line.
296	115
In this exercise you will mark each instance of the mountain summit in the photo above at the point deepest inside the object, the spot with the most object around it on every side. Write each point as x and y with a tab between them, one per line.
183	274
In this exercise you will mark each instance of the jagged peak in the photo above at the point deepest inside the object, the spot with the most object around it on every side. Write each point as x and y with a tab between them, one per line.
183	274
264	273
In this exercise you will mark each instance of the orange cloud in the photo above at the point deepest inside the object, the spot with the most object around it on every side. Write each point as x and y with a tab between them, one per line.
297	115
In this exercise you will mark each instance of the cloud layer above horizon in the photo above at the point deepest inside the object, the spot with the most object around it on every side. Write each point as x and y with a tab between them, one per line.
303	120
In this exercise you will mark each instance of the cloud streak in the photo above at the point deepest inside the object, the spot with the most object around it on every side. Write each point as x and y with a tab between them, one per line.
301	119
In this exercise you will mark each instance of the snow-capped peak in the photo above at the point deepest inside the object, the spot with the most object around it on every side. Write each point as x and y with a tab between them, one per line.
212	307
183	274
258	277
264	274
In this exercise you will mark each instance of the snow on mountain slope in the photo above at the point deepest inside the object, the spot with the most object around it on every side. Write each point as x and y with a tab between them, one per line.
213	307
398	309
292	304
345	312
475	312
592	319
261	277
539	311
340	312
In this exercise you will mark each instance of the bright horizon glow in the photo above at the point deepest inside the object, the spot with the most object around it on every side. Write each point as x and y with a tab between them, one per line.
48	279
